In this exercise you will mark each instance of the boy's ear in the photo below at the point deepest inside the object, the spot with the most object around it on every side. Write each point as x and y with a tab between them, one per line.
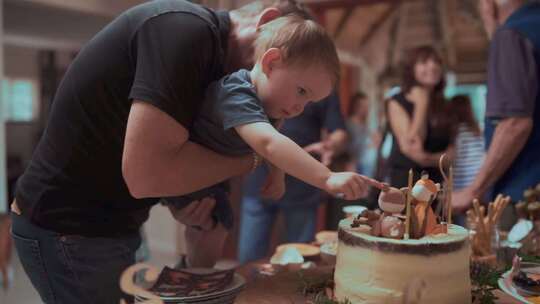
268	15
269	60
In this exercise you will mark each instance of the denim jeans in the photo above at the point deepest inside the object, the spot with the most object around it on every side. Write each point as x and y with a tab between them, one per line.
256	221
72	268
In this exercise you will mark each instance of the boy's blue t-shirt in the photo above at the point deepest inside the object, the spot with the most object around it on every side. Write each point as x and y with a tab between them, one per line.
229	102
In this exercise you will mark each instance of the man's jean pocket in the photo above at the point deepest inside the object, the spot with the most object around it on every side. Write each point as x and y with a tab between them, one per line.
30	252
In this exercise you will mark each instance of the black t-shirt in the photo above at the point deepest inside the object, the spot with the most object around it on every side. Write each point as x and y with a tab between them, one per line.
438	138
163	52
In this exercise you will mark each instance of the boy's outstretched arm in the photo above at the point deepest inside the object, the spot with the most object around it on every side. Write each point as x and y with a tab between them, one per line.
291	158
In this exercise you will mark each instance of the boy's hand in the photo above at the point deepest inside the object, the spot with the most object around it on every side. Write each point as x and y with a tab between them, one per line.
274	185
351	185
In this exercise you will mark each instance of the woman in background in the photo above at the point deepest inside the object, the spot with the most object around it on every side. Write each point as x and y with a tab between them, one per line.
417	119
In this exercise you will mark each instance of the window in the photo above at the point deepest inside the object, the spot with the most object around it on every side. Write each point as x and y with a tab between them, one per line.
18	100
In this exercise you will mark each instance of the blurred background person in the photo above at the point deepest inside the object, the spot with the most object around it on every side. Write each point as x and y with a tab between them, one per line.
512	118
417	119
469	142
469	145
363	140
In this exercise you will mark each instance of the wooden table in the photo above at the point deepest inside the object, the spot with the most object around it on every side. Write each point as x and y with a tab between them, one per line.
284	287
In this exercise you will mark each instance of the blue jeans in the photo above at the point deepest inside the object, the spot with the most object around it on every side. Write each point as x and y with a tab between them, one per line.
256	221
71	268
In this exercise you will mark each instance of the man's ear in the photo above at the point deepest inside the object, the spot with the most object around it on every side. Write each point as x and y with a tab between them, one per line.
269	60
268	15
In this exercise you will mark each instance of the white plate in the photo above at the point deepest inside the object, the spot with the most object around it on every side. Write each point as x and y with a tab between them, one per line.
505	284
353	209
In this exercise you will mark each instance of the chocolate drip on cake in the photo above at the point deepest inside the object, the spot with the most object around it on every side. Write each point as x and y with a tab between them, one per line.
425	249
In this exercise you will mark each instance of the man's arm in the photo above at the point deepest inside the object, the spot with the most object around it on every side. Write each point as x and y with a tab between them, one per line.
509	138
158	160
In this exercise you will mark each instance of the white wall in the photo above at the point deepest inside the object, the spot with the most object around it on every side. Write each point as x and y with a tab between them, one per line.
3	180
163	232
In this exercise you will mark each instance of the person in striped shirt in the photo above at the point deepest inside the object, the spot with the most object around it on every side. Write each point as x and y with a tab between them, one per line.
469	142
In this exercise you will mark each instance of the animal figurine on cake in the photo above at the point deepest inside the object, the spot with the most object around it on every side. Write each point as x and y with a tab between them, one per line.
392	203
423	219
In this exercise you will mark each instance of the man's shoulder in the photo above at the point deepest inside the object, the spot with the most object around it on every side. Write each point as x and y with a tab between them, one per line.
180	11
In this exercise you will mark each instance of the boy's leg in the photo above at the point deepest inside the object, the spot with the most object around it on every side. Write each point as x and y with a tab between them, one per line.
222	212
73	269
256	220
300	222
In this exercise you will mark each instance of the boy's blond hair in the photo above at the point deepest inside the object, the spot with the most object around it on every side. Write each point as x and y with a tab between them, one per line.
300	41
286	7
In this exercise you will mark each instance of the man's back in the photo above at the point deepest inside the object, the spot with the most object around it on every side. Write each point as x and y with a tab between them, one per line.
74	183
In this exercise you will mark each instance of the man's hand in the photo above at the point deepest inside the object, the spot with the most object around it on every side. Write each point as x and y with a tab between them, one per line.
196	215
274	185
462	200
323	150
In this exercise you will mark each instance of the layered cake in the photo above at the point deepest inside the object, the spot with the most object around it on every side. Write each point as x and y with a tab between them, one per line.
404	252
372	269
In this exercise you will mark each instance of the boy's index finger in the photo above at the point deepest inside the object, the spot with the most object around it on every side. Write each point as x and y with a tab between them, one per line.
373	182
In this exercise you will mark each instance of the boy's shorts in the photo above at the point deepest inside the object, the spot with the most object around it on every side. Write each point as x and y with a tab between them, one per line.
222	212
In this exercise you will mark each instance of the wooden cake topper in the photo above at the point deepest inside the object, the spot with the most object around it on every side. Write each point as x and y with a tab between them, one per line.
424	192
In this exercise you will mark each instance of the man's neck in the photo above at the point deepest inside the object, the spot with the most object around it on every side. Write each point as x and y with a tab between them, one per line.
240	44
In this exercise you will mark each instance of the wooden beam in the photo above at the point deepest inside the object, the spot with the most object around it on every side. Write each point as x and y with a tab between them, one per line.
327	4
346	15
380	21
447	10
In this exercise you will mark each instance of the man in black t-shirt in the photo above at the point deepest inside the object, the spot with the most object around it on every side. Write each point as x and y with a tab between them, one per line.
117	141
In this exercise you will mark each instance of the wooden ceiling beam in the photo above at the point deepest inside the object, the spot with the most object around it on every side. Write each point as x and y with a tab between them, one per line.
345	16
377	24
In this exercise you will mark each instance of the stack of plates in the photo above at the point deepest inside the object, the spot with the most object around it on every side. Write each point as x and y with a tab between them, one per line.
225	296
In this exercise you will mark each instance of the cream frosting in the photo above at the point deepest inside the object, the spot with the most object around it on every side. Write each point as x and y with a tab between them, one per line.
366	274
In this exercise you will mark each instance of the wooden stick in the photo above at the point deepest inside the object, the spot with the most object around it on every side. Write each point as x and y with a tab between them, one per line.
491	210
498	204
470	217
503	203
498	199
408	212
490	214
481	226
450	188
